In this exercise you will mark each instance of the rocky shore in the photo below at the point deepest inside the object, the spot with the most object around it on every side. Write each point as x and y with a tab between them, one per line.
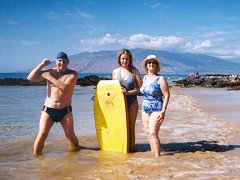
210	80
85	81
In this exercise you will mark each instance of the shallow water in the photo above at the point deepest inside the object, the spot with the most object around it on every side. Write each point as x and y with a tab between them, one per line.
191	140
221	102
20	109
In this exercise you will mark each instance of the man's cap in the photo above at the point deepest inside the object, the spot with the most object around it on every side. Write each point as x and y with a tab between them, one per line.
62	55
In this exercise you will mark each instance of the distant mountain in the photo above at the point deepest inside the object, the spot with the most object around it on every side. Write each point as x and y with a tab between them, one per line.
171	62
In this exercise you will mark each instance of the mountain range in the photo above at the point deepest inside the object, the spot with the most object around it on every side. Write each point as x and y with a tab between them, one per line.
103	62
171	62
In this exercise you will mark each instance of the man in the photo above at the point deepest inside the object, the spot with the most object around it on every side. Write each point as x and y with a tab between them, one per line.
61	82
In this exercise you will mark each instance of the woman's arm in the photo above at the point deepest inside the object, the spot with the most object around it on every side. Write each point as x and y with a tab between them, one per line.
166	96
166	93
138	83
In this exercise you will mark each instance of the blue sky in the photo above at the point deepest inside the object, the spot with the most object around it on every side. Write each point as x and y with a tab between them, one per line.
32	30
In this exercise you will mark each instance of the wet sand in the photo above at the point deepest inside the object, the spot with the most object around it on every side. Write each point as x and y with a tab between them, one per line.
194	144
220	103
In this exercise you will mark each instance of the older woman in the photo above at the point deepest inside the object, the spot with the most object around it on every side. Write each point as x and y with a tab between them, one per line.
129	77
156	96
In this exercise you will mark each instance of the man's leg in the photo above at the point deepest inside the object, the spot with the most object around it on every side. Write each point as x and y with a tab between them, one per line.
45	125
68	127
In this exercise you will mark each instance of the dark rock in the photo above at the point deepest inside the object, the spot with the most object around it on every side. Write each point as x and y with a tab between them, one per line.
210	80
19	82
91	80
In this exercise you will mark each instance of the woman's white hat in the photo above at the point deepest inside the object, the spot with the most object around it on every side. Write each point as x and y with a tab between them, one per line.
150	57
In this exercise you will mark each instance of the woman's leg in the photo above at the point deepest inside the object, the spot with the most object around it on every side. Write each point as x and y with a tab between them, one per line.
132	114
145	120
154	128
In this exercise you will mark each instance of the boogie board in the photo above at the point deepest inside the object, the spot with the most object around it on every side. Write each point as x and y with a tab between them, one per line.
111	117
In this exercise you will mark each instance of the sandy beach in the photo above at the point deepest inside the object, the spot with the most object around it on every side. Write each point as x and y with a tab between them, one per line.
219	104
195	143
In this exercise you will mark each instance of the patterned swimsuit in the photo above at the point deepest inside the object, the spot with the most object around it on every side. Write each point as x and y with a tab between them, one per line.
152	96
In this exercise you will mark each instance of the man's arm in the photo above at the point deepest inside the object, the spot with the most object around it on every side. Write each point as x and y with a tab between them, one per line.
71	80
36	74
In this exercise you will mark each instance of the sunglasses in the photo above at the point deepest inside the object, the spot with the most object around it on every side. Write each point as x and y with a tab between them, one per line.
63	60
151	62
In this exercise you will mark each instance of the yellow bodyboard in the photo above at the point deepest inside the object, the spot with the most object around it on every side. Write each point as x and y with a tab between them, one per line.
111	117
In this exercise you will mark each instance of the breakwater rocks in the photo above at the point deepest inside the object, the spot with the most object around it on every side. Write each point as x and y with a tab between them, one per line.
210	80
91	80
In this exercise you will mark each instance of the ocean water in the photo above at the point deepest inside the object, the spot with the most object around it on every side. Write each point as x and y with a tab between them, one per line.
222	102
20	109
24	75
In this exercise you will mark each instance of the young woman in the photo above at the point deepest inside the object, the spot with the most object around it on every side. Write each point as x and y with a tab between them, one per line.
130	79
156	96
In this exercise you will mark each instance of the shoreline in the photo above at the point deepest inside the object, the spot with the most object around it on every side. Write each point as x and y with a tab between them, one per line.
199	144
218	103
194	145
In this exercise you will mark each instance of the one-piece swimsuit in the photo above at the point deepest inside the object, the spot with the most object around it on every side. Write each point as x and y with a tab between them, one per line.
129	84
152	96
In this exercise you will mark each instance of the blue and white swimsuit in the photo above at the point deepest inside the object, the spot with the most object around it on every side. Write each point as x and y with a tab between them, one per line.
152	96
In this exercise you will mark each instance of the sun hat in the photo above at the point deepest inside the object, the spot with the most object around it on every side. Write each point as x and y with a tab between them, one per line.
151	57
62	55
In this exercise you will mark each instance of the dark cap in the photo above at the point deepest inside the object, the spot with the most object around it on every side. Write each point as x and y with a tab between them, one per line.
62	55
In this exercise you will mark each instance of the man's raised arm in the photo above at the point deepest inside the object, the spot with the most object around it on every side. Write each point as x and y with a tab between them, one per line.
36	75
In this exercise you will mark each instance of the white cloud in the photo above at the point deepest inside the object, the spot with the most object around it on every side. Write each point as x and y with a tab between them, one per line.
52	15
207	47
106	40
215	33
27	43
202	45
139	38
155	5
170	43
16	42
109	39
78	14
156	42
226	53
137	41
85	15
237	53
